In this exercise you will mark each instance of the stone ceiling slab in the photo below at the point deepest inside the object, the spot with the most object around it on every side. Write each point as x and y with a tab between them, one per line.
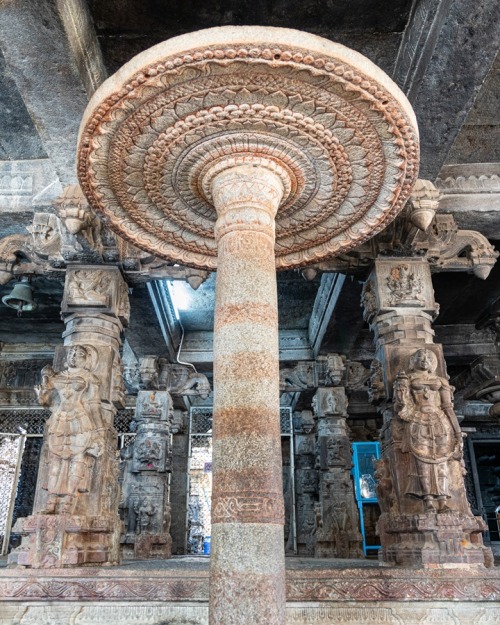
40	57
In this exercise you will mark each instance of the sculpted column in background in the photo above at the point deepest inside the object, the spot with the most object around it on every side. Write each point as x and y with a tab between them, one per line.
426	519
75	516
337	519
247	568
146	465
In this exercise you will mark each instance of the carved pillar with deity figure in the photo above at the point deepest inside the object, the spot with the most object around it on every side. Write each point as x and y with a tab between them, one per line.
426	519
306	481
75	516
337	520
146	466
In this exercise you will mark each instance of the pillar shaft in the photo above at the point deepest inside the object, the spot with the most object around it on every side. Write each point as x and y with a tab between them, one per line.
75	516
247	582
426	519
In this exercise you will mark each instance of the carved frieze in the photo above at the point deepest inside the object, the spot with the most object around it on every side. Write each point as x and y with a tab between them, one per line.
404	284
327	370
90	287
78	236
330	402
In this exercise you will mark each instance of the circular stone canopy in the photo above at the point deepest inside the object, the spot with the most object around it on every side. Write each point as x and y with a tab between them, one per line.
337	124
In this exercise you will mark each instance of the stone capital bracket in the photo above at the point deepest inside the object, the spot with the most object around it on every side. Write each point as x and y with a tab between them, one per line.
179	380
480	381
327	370
75	234
420	231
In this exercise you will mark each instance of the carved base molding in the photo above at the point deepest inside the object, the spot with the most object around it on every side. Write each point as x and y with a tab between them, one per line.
433	539
147	546
297	613
66	540
180	581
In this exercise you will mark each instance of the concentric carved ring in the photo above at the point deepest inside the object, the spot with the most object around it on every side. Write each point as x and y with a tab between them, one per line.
335	123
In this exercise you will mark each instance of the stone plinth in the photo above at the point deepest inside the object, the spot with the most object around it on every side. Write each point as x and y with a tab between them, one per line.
318	593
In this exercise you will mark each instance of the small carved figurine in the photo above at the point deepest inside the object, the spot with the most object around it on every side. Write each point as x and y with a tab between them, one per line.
405	288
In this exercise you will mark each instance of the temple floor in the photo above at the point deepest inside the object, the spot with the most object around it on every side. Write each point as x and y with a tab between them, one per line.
319	591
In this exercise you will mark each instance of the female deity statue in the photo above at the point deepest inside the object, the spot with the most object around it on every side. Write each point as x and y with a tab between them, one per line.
431	433
73	428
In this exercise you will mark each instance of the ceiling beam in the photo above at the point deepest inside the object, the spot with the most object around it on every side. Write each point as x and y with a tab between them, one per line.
53	56
324	305
445	55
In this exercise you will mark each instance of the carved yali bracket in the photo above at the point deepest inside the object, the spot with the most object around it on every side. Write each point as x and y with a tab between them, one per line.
419	231
481	381
178	380
77	235
450	249
326	370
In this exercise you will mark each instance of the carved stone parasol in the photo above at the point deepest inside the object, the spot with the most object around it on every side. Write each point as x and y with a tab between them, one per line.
246	150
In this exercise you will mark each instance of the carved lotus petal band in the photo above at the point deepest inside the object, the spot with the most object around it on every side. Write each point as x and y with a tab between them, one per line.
335	123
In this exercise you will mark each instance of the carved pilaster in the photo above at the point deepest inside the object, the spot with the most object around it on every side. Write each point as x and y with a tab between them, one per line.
146	465
426	519
75	519
337	520
306	480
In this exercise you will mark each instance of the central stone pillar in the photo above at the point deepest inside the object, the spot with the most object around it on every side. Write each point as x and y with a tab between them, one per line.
247	565
247	120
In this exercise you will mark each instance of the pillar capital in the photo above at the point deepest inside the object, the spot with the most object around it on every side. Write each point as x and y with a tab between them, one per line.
246	193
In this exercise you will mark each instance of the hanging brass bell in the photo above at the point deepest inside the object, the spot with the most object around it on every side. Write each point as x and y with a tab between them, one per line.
21	297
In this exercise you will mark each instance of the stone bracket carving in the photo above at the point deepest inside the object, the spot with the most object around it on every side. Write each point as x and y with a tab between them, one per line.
326	370
481	381
177	379
419	231
449	249
76	235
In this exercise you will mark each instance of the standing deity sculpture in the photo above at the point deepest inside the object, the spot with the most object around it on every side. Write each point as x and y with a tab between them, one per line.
431	434
73	428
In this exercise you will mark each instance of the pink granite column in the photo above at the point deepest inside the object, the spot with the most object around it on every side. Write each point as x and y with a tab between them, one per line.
247	567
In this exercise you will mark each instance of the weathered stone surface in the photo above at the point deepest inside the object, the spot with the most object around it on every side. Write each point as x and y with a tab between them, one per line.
191	154
337	519
56	111
463	54
247	495
307	581
146	465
